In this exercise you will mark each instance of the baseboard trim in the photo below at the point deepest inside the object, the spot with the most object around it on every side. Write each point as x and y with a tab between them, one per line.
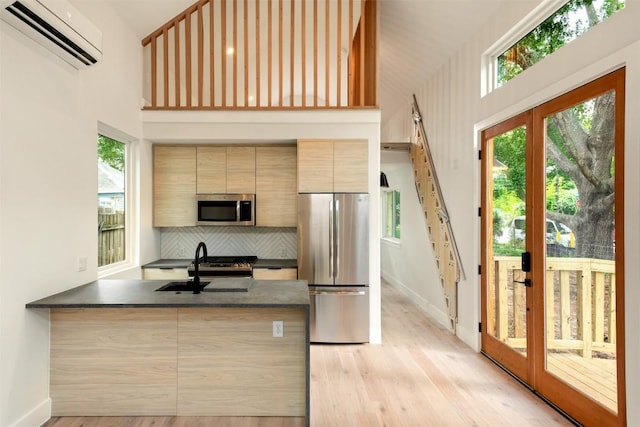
36	417
438	315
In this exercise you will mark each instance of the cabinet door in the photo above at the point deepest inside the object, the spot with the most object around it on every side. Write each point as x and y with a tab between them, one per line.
276	190
212	170
174	186
241	170
315	166
275	273
165	274
350	166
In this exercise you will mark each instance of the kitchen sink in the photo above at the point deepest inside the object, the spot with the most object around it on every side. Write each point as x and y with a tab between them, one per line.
186	286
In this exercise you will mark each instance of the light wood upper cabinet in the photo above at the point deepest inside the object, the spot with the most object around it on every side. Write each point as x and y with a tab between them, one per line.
276	190
315	166
212	170
333	166
350	166
226	170
241	170
174	186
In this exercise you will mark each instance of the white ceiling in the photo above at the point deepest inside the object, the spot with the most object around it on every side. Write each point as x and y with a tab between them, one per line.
416	36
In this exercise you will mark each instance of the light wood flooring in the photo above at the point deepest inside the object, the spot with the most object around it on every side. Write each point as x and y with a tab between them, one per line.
420	376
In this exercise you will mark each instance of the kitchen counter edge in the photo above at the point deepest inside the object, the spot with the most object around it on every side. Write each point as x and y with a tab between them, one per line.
105	293
260	263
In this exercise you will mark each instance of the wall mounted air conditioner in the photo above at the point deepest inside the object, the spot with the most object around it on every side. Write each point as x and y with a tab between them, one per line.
58	26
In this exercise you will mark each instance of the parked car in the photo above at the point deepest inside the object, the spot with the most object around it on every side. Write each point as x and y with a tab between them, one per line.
557	232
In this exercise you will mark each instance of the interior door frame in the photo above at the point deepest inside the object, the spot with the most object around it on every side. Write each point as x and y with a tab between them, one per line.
533	373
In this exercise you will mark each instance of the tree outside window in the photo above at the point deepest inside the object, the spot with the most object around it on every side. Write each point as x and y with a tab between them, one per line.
111	200
569	22
391	214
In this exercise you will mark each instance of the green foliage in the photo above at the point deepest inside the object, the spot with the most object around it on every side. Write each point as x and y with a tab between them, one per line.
508	249
561	195
510	149
111	152
565	25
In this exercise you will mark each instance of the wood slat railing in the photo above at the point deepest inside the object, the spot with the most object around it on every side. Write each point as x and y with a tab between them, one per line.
580	304
436	216
226	54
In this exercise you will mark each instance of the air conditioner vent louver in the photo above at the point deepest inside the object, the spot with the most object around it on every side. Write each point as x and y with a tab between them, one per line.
59	27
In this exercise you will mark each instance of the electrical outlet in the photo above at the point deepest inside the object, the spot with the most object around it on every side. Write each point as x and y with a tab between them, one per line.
181	252
278	328
283	252
82	263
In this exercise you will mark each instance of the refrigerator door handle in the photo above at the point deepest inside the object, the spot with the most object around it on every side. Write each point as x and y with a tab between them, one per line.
337	248
350	293
331	239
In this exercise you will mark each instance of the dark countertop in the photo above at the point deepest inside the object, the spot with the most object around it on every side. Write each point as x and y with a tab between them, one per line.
169	263
141	293
260	263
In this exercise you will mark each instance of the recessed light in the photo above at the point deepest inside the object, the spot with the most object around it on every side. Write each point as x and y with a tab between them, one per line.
230	51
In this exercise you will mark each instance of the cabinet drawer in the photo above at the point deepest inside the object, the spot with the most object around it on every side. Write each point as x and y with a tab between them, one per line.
275	273
165	274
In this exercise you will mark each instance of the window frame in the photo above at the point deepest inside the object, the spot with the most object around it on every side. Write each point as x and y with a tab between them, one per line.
131	191
489	60
383	203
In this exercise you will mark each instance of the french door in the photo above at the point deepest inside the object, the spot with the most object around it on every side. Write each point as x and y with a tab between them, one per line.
553	249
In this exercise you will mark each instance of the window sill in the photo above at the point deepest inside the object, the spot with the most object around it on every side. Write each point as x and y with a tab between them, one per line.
390	241
111	269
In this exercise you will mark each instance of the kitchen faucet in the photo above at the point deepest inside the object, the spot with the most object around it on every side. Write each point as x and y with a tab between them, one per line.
196	276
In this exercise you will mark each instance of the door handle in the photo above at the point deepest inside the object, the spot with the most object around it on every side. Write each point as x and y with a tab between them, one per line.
341	293
526	282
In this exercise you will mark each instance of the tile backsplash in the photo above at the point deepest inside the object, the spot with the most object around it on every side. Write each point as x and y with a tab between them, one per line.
260	241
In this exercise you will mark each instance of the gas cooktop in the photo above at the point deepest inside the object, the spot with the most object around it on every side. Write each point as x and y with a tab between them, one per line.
225	264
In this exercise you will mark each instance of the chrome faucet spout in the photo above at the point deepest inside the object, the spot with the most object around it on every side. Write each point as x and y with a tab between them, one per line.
196	265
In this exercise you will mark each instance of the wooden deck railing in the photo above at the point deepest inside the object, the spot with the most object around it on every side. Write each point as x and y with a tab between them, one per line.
265	54
580	304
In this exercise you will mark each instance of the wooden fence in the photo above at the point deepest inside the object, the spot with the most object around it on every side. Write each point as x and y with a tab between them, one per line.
265	54
580	304
111	239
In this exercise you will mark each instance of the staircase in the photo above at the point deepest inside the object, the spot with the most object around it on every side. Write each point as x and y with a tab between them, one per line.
436	217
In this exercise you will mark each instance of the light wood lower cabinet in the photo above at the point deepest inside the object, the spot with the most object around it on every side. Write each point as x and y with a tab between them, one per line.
178	361
165	274
113	362
275	273
230	365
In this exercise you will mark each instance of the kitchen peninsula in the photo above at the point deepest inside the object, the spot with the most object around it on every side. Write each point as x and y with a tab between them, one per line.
120	348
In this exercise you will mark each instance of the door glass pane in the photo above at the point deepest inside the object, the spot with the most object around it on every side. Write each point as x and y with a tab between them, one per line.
506	299
580	230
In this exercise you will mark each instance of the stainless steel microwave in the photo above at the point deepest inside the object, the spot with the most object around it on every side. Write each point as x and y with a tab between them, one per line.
226	209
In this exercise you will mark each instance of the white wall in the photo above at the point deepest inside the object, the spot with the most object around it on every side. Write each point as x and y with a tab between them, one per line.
48	181
410	264
454	112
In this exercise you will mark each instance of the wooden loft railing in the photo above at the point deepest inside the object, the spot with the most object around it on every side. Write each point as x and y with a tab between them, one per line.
265	54
436	216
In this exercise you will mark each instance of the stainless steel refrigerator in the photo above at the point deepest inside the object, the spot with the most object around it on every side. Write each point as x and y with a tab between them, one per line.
333	256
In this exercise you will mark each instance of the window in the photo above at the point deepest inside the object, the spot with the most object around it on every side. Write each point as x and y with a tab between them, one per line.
391	215
567	23
115	200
